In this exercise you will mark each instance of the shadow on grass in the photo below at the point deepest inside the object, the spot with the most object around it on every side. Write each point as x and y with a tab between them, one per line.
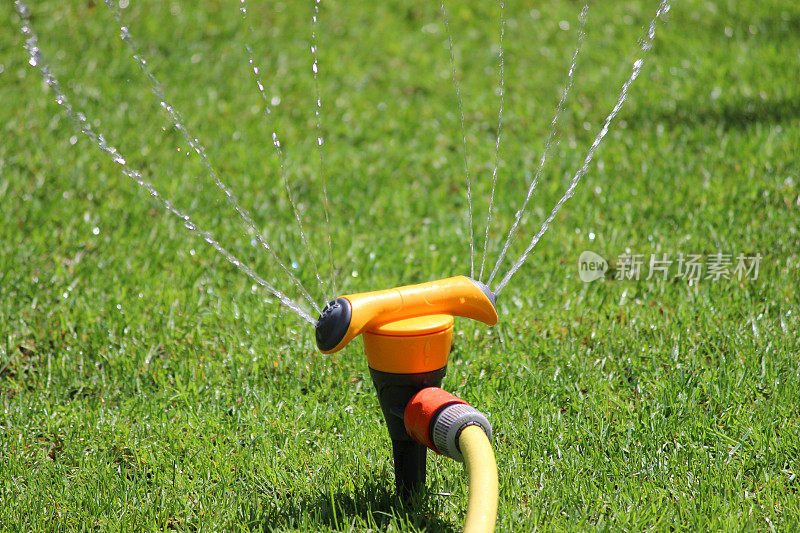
373	505
737	113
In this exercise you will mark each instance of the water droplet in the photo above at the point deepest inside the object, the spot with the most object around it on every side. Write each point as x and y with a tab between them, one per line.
73	140
65	295
295	265
276	100
192	252
95	231
591	236
354	273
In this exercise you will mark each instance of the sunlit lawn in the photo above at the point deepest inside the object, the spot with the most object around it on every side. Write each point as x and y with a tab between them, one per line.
146	383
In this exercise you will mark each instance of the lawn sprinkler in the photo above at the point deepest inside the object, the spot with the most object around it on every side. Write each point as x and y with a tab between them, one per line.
407	334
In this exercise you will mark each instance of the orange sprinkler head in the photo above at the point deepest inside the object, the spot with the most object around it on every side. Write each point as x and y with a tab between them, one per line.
346	317
407	337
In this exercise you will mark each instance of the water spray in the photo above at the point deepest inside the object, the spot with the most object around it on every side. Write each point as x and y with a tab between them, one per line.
407	333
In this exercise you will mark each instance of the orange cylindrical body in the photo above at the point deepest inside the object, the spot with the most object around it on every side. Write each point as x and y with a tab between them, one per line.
410	346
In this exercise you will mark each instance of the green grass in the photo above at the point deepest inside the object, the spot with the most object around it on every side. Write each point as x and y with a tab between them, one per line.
145	384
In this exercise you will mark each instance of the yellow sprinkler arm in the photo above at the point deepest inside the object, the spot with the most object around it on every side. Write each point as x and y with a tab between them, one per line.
346	317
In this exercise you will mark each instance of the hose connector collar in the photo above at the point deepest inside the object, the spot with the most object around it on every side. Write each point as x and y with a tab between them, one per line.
447	425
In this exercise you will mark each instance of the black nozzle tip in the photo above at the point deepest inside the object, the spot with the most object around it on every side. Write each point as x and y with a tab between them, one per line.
333	323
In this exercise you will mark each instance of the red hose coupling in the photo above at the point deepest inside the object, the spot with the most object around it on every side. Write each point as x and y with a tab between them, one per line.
435	418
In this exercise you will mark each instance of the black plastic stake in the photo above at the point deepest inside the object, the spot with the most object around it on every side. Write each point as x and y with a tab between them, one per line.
394	393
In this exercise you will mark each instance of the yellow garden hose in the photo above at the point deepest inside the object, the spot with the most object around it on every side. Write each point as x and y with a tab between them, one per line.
483	487
450	426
